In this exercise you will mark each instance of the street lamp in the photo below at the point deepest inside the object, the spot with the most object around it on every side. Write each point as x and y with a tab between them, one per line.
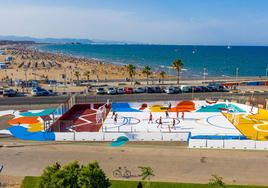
204	74
26	79
169	68
236	73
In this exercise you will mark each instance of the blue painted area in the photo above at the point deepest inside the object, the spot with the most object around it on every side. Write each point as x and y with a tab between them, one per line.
120	141
219	137
22	133
123	107
217	108
45	112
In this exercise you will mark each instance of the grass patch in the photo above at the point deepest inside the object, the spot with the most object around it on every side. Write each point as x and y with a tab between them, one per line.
33	182
133	184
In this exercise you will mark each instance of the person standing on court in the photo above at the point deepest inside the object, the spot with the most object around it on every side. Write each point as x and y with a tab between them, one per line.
150	118
160	122
115	118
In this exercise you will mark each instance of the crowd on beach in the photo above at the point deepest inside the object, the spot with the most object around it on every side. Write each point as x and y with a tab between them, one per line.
30	63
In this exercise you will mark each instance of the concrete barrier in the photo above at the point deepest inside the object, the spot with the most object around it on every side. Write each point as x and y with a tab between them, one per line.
262	145
239	144
148	136
215	144
89	136
111	136
197	143
70	136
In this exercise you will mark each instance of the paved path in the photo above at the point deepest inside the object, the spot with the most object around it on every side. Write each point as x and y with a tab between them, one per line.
170	161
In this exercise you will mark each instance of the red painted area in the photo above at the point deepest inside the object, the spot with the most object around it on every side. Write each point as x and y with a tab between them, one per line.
143	106
80	118
211	102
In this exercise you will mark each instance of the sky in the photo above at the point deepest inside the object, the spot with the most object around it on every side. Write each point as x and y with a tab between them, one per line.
205	22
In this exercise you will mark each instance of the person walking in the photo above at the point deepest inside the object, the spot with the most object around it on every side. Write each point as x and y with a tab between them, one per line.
115	118
113	114
167	115
160	122
150	118
173	123
169	105
1	168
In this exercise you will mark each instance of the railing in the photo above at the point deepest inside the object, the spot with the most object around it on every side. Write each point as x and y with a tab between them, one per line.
137	136
228	144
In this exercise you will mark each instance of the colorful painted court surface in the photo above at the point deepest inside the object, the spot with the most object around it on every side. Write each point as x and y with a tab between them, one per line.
202	119
28	125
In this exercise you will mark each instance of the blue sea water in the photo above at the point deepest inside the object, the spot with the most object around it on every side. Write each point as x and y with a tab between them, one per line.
218	60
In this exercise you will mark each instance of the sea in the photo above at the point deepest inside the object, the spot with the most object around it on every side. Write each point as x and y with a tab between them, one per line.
199	61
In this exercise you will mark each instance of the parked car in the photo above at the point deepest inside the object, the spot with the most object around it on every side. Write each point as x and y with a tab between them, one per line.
186	89
157	90
100	91
111	91
38	91
218	86
120	91
149	90
169	90
128	90
177	90
139	90
212	89
204	88
198	89
9	93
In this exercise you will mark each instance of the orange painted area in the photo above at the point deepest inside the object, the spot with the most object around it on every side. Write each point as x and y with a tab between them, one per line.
23	120
184	106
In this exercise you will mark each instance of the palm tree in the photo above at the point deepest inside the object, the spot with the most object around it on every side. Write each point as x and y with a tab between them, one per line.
87	74
131	71
216	181
177	65
147	72
162	74
77	75
146	173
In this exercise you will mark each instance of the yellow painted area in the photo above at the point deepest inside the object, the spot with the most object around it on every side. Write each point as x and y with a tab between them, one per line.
35	127
254	126
158	108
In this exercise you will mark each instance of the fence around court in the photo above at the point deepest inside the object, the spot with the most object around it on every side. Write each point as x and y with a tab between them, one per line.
257	99
109	136
228	144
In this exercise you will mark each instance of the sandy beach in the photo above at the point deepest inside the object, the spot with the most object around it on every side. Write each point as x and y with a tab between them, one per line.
30	64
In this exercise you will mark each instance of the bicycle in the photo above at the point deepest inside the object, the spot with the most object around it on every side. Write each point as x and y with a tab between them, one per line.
122	172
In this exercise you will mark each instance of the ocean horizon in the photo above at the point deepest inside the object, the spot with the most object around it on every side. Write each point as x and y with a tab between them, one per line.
213	61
